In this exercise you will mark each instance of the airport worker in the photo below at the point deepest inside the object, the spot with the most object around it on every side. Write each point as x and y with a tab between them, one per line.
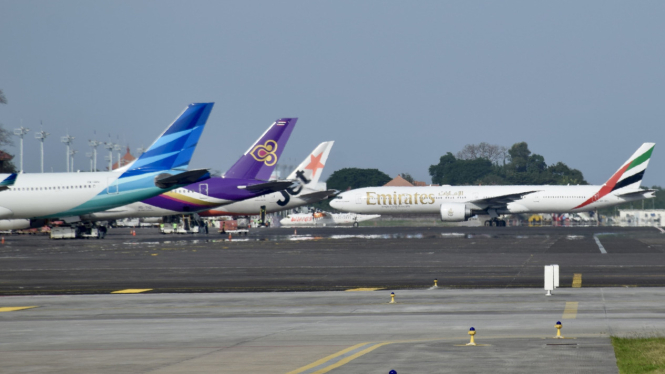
206	226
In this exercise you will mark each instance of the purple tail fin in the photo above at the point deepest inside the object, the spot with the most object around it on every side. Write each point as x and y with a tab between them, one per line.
260	159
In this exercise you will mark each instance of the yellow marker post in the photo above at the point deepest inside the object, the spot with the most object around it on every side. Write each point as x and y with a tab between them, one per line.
392	298
472	332
436	282
133	290
558	330
15	308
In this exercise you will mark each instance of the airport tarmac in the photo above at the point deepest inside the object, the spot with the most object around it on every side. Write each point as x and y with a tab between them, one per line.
425	331
320	259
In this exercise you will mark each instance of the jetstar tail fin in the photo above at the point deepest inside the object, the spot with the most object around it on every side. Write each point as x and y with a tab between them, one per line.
260	159
309	171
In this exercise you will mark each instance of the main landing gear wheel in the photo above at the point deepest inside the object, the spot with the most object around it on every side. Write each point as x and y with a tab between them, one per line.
495	223
355	224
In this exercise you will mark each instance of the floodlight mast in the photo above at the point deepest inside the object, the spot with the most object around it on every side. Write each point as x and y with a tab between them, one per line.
94	144
89	155
68	141
72	153
20	132
41	136
118	148
110	146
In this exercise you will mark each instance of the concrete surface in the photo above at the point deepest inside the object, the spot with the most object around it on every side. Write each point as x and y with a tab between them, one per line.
332	259
338	332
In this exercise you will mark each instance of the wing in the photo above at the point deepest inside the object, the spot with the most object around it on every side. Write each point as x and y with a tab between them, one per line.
319	195
272	186
501	201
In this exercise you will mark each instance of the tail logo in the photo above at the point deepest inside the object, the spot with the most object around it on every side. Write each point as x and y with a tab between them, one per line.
265	153
315	163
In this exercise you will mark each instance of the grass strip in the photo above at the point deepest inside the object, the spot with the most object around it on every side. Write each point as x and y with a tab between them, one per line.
640	355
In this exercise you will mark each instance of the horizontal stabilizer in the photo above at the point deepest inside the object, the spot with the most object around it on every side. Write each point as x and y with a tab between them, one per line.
272	186
188	177
638	193
319	195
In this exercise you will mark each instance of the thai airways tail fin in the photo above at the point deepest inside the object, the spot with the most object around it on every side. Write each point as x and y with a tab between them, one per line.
260	159
174	148
309	171
630	174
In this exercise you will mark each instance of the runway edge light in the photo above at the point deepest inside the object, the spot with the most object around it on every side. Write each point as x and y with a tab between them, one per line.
472	332
558	330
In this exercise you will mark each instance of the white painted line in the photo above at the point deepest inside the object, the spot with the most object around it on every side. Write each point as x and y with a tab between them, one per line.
600	246
661	230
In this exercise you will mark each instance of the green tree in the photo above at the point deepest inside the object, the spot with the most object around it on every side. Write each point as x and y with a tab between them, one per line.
352	178
408	177
6	166
3	99
452	171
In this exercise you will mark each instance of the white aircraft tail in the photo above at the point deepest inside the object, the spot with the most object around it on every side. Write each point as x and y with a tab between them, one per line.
309	171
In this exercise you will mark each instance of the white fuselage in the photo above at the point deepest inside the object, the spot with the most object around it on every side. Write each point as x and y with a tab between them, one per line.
273	202
47	195
536	199
324	219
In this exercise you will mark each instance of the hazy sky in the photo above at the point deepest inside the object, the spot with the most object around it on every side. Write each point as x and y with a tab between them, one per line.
396	84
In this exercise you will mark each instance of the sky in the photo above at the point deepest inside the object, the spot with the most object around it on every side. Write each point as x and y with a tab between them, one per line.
395	84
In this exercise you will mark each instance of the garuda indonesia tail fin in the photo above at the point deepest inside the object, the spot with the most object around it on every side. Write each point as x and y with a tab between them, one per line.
174	148
260	159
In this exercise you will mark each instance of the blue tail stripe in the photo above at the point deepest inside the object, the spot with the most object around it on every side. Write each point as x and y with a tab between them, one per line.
175	147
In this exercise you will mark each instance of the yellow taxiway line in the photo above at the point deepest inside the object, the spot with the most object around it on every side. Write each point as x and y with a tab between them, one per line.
577	280
15	308
570	311
133	290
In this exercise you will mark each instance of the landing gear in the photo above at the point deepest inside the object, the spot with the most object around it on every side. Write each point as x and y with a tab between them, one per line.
495	222
355	224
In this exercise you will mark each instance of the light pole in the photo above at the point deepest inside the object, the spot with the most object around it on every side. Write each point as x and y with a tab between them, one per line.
94	144
68	141
109	146
20	132
89	155
118	148
139	151
41	136
72	153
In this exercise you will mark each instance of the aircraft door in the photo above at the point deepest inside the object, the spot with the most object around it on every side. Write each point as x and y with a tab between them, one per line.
112	187
359	199
203	190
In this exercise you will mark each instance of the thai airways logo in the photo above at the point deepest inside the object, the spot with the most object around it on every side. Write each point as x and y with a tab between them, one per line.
265	153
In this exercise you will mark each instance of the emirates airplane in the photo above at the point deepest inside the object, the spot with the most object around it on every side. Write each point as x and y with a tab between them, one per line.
456	204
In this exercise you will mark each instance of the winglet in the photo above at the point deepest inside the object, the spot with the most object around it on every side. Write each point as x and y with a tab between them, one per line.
260	159
174	148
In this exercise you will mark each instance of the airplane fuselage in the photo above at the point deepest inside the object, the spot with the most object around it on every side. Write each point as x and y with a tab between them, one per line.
535	199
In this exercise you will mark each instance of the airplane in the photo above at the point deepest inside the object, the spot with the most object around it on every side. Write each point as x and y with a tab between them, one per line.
68	196
309	191
325	219
246	179
459	203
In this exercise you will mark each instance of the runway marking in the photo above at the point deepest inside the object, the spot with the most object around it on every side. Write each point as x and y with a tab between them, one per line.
570	311
338	359
133	290
577	280
364	289
15	308
661	230
600	246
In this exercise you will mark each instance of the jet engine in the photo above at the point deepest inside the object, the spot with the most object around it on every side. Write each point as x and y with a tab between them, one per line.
20	224
455	212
